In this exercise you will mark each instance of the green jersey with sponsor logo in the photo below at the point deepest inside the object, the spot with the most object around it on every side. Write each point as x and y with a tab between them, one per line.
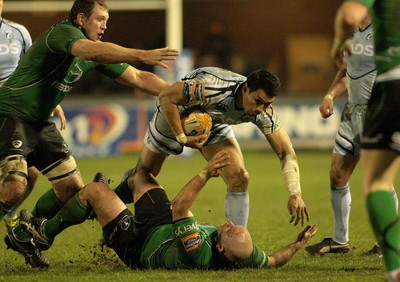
187	244
48	72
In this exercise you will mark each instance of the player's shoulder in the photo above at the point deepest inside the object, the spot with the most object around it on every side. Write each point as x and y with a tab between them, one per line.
14	25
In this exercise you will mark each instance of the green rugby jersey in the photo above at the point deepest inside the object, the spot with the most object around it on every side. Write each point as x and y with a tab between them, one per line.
187	244
386	25
48	72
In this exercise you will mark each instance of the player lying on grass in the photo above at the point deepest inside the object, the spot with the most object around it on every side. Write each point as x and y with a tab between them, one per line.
162	234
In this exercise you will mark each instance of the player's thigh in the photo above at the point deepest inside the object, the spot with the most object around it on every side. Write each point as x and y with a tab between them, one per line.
235	175
380	168
150	161
105	203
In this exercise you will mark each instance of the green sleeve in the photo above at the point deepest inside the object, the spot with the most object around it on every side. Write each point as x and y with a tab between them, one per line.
194	245
258	259
113	71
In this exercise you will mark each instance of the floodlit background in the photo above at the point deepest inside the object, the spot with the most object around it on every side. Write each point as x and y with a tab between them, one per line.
289	37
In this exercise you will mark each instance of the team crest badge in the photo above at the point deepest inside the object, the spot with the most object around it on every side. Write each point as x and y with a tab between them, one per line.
16	143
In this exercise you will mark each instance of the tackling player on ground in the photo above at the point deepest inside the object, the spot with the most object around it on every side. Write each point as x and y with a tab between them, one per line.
161	234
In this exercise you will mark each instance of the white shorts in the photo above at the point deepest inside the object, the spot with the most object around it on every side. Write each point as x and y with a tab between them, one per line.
348	137
159	137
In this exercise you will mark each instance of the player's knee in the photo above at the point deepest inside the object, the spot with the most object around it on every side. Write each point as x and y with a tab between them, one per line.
338	177
14	191
92	191
67	187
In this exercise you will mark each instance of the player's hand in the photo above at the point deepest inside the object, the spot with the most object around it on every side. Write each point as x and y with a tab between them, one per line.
297	209
58	111
216	165
159	56
307	233
326	108
197	142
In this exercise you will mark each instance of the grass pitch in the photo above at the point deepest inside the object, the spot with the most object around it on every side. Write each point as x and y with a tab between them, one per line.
76	256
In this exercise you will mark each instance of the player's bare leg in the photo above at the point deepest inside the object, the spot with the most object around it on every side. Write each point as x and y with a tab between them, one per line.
236	178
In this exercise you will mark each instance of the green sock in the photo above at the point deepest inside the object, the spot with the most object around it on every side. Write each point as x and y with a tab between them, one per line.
3	210
48	205
386	226
123	192
72	213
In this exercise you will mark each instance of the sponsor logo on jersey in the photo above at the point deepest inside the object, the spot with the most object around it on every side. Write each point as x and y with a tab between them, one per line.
191	242
181	230
61	87
74	75
6	49
361	49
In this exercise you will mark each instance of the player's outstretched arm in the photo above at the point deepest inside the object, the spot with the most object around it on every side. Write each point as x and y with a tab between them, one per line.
110	53
145	81
281	257
187	196
282	146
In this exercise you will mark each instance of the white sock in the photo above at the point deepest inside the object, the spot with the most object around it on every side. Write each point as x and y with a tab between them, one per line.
396	200
341	204
237	207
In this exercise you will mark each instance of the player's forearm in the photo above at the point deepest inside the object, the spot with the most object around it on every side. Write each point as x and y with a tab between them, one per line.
106	52
188	195
150	83
339	84
291	174
281	257
170	110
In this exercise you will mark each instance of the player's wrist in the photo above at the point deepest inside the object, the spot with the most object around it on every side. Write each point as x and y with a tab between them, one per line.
329	96
204	175
181	138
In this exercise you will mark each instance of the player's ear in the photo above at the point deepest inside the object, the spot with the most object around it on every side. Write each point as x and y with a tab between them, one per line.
220	248
80	19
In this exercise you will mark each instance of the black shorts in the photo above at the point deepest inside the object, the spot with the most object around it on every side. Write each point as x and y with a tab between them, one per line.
39	142
382	121
127	233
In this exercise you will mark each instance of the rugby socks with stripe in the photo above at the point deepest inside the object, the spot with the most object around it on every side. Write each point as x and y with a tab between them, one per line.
386	225
237	207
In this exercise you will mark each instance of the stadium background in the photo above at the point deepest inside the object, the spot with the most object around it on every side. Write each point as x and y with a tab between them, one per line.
291	38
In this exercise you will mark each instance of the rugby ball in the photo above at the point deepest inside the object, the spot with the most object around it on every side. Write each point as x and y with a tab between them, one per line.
196	123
